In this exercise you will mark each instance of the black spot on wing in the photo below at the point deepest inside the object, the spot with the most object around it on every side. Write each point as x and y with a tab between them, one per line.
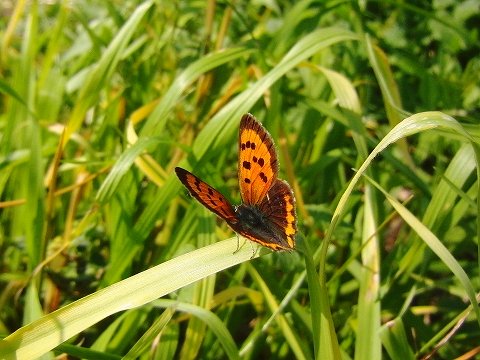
263	177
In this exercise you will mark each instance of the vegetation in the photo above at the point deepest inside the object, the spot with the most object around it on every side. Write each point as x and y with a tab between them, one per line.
374	107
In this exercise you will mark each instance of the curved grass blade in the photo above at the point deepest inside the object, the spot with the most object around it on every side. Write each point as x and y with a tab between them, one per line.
435	245
209	318
44	334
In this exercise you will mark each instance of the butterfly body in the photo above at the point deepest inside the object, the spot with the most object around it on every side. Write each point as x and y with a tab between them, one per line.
267	213
254	225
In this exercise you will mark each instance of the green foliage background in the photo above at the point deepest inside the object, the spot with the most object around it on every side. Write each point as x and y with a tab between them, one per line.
374	107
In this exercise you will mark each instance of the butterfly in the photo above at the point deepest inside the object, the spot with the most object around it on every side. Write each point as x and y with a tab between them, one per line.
267	214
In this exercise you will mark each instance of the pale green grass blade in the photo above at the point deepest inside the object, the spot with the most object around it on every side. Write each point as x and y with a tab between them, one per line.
202	293
390	93
343	89
328	337
385	78
459	171
323	329
34	311
145	342
286	328
414	124
347	98
411	125
169	342
210	319
368	346
437	247
33	308
113	336
51	330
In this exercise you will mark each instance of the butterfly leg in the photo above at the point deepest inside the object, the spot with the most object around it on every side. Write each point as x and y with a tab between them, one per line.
254	251
238	245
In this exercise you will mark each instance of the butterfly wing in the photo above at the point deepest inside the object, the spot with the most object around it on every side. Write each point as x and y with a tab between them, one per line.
208	196
258	163
279	208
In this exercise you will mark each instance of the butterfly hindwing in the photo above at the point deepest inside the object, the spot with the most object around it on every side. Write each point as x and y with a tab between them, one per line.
258	163
279	207
207	195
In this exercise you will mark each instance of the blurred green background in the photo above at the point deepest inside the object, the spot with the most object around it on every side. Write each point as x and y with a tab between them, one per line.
102	99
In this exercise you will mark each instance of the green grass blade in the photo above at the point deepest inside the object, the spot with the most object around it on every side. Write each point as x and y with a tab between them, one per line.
395	340
437	247
323	329
459	170
147	339
283	324
411	125
102	72
368	346
123	164
51	330
202	293
210	319
157	120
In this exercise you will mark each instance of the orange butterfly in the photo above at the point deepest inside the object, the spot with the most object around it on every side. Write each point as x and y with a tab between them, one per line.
267	213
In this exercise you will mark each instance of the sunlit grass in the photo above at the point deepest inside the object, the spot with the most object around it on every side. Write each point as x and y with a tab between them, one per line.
104	255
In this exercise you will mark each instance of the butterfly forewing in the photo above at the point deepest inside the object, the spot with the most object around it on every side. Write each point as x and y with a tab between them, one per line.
258	164
208	196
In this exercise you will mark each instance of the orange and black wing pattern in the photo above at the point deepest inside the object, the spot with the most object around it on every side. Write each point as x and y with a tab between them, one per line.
257	160
279	208
208	196
267	214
